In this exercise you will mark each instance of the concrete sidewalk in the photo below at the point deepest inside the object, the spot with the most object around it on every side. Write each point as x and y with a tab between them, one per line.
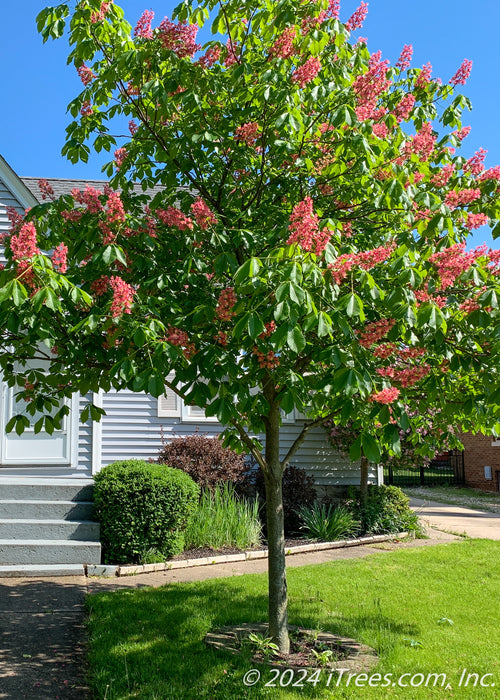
457	519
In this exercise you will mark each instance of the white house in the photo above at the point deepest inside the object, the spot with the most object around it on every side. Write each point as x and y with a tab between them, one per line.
134	422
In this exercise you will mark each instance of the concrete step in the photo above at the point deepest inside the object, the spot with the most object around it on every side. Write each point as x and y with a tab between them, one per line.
46	489
37	570
49	552
46	510
23	529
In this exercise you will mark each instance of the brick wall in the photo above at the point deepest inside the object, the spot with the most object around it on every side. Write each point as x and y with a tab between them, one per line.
478	453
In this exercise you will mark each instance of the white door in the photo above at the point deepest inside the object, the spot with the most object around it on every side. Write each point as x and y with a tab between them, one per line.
32	448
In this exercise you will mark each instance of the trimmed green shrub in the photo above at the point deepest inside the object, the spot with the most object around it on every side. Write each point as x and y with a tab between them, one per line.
327	523
205	459
298	492
387	510
141	507
222	519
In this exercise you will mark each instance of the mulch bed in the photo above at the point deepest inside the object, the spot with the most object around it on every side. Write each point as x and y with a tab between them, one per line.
208	552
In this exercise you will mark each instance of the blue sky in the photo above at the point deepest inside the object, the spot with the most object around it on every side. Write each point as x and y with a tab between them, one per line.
37	84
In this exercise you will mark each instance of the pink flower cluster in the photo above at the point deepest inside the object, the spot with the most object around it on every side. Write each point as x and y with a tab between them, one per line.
46	189
411	352
132	127
305	230
454	199
175	336
408	376
227	300
469	305
231	57
270	327
123	295
179	38
384	350
283	45
334	8
474	221
86	74
211	57
248	133
101	13
424	77
174	217
373	332
451	263
462	74
422	143
307	71
86	109
423	297
370	85
462	133
404	108
120	155
386	396
202	213
356	20
100	286
73	216
60	258
266	360
490	174
365	260
442	177
115	212
23	244
143	26
222	338
475	165
405	57
90	197
15	219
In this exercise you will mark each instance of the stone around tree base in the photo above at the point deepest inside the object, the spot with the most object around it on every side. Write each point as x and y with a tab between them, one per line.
351	655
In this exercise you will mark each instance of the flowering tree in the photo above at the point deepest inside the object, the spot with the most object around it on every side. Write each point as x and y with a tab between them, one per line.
305	248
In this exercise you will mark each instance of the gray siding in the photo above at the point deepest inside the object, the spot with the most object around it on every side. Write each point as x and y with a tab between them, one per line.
7	199
131	429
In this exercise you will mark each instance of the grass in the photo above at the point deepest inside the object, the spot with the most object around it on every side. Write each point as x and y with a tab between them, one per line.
427	610
458	495
224	520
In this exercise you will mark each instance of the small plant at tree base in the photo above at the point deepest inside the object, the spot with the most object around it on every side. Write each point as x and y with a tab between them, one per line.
327	523
262	645
323	657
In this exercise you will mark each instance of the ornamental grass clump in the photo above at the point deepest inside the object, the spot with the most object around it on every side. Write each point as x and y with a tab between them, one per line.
327	523
222	519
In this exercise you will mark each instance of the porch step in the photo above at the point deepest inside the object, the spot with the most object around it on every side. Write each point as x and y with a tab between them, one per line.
48	489
36	570
47	510
46	526
15	529
49	552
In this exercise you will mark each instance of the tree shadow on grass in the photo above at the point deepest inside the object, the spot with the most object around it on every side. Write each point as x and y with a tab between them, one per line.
149	642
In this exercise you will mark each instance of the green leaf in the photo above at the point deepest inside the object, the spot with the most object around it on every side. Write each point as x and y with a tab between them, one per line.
156	386
355	451
247	271
354	306
371	448
295	339
324	324
255	325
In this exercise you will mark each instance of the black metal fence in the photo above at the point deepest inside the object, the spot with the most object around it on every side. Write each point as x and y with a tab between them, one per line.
446	470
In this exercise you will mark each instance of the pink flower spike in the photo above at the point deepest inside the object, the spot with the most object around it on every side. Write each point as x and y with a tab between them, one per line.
59	258
462	74
404	59
386	396
307	71
357	18
143	26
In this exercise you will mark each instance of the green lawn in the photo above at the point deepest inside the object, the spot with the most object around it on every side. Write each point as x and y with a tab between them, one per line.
148	643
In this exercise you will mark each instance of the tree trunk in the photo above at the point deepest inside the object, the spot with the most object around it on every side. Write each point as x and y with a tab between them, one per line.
273	475
363	488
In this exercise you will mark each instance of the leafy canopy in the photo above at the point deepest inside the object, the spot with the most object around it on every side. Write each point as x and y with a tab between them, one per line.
284	228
